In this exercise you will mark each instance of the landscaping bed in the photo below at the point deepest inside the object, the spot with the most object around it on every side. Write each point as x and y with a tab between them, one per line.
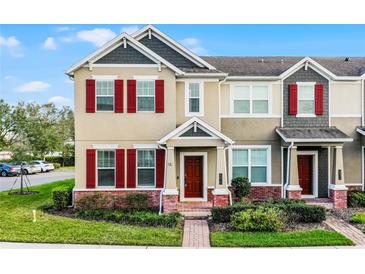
346	215
16	223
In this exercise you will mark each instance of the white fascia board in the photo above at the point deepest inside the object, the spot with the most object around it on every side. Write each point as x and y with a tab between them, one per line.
313	140
145	146
205	75
237	78
359	130
141	31
181	128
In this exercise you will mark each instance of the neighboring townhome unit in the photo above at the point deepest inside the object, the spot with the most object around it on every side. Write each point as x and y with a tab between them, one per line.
153	117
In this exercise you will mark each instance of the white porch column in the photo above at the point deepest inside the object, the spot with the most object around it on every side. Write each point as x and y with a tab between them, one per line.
221	170
294	189
171	173
338	189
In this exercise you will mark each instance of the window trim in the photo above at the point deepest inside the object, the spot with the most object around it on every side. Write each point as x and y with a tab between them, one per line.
97	168
143	149
143	79
249	148
251	85
307	115
96	94
201	99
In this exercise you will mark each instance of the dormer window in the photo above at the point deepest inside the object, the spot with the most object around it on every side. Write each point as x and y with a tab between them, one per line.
306	101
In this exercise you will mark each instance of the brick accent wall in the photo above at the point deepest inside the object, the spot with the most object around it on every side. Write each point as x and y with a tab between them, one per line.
339	198
308	75
220	200
354	188
294	195
261	193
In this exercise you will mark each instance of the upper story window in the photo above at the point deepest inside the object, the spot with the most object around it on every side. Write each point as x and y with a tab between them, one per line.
194	99
250	99
104	95
306	101
106	168
252	163
145	95
146	167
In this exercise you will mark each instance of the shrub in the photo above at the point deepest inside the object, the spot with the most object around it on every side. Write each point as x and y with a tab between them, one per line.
56	165
356	199
137	217
260	219
223	214
66	161
95	201
303	213
137	200
358	218
62	197
241	187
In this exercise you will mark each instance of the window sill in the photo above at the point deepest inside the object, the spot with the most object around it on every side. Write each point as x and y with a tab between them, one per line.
195	114
306	115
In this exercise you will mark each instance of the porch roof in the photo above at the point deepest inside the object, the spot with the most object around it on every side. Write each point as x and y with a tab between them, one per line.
313	135
361	130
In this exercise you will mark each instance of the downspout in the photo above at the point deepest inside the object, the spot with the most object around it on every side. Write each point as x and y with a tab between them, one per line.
164	179
219	100
287	169
225	166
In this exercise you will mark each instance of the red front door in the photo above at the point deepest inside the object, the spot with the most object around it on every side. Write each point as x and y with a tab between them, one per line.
193	176
305	172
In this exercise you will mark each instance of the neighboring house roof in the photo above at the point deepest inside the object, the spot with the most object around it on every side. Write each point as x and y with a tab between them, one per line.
310	135
203	126
361	130
275	66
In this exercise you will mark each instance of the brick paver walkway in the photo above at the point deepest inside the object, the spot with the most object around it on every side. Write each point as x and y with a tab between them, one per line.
346	229
196	234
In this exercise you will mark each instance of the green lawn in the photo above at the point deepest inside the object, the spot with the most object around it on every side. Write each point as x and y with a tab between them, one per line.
67	168
278	239
358	218
16	225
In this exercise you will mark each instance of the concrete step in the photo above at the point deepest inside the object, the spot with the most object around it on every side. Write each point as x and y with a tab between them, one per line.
196	215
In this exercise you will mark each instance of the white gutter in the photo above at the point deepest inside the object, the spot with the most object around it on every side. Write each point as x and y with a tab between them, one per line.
219	101
287	170
164	179
313	140
225	166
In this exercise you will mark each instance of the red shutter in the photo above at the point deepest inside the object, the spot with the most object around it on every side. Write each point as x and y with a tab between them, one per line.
318	98
131	96
90	168
90	96
118	96
119	165
160	168
131	168
293	99
159	93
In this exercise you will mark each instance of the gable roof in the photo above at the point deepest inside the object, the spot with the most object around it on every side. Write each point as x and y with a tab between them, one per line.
203	125
276	66
117	41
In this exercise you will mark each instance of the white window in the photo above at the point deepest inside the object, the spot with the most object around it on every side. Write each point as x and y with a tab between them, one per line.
252	163
250	99
145	95
106	168
146	167
306	99
194	99
104	95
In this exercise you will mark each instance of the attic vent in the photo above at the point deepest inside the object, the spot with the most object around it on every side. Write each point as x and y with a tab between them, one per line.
347	59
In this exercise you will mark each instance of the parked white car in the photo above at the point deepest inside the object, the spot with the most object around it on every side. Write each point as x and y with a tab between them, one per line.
45	166
28	168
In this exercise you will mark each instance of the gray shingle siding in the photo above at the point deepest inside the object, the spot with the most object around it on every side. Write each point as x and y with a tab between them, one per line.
167	52
308	75
122	55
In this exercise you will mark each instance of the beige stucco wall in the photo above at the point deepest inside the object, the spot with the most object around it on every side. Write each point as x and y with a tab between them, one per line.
275	95
211	102
345	98
352	150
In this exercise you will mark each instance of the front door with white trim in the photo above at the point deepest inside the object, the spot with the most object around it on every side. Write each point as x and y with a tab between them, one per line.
193	177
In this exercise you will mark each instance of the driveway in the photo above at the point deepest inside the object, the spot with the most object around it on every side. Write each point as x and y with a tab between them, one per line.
36	179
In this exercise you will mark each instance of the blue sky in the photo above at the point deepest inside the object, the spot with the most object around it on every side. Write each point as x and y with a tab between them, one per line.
33	57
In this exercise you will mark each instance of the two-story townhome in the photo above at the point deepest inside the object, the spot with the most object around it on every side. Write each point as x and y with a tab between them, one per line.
153	117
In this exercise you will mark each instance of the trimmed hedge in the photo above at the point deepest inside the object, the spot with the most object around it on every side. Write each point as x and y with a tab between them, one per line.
356	199
293	210
68	161
142	218
62	197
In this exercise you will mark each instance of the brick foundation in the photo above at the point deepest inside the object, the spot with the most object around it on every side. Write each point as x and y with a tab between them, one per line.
220	200
154	195
339	198
354	188
261	193
170	203
294	194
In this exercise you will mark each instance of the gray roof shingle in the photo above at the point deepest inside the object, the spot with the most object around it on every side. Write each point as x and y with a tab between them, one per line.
324	133
276	65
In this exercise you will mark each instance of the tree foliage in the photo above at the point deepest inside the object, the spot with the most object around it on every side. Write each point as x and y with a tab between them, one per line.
34	130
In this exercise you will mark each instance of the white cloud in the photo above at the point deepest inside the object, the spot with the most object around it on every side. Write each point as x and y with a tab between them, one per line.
66	39
13	45
9	77
50	43
97	36
33	86
60	100
194	45
130	29
61	29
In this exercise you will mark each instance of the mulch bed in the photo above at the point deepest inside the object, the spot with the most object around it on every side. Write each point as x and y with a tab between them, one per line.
346	213
287	228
